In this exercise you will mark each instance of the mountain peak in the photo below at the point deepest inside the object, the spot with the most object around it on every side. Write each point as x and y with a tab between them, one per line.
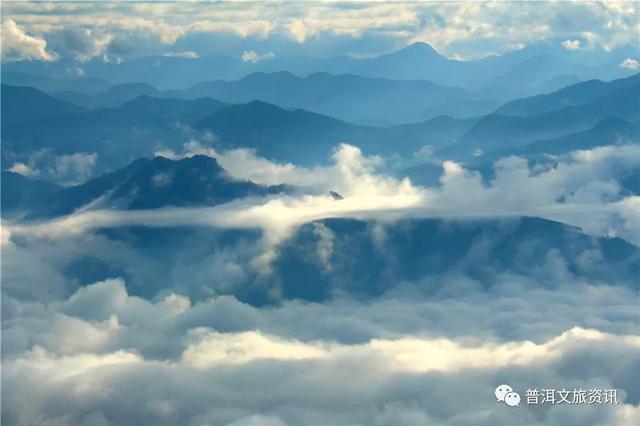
420	47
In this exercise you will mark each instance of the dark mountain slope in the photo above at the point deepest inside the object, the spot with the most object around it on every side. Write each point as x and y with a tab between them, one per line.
118	135
23	104
21	194
416	249
154	183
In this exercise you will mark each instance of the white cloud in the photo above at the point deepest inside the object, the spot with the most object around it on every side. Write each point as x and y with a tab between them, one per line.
65	169
407	354
221	378
630	64
76	71
585	180
189	54
17	45
571	44
465	29
23	169
251	56
74	168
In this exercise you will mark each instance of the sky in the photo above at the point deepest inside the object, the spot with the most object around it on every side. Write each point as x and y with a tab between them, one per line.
264	30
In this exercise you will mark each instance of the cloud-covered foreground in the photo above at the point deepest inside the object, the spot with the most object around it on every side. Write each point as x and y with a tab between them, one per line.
427	349
124	360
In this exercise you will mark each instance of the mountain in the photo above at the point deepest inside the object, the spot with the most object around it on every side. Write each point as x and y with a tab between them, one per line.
308	138
417	61
519	72
420	256
348	97
282	134
144	125
438	132
118	135
21	104
187	110
573	95
113	97
21	194
415	249
48	84
497	131
155	183
606	132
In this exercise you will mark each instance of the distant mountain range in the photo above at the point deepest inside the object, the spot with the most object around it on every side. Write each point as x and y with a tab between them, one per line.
573	95
46	83
111	97
521	72
145	124
524	121
580	116
348	97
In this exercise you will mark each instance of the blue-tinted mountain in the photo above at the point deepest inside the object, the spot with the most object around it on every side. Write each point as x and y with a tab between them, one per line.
45	83
519	72
140	127
413	250
497	131
573	95
607	132
307	138
119	135
282	134
416	255
417	61
113	97
21	194
23	104
187	110
438	132
349	97
154	183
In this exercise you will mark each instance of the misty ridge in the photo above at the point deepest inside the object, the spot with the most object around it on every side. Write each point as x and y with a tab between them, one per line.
318	214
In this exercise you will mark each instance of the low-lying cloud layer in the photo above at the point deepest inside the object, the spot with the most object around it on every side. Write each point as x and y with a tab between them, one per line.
105	347
165	342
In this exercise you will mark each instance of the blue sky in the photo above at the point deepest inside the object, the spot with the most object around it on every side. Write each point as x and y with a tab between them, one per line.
464	30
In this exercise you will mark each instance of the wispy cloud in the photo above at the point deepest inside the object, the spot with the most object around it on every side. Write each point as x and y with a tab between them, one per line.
251	56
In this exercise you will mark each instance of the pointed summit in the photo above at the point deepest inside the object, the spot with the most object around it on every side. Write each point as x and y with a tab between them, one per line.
416	54
420	47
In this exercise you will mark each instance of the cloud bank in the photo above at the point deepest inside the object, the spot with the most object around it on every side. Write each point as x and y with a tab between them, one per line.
456	29
17	45
102	345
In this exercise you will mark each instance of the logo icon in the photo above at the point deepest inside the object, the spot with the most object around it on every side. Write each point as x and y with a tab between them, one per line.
506	394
